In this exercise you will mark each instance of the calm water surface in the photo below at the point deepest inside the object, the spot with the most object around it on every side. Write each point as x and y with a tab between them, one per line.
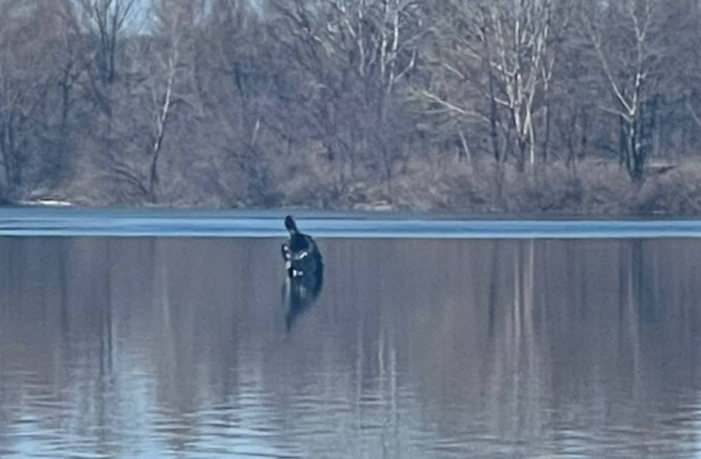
195	348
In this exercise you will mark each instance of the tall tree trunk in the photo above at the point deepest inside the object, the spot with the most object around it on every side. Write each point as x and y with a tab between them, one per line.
160	128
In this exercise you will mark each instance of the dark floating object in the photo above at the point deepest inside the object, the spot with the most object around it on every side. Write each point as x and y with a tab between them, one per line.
305	272
300	252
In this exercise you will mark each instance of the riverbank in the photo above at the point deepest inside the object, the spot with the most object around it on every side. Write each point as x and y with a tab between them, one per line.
591	188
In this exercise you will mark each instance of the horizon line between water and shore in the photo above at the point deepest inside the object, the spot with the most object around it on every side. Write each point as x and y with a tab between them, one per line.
19	221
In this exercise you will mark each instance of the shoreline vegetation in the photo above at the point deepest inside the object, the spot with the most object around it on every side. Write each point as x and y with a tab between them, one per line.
594	189
558	107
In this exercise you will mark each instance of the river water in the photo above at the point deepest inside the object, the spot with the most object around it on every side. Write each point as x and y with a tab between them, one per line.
189	347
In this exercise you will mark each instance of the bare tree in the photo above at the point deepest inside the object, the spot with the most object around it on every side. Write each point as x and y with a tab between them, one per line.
355	52
503	48
273	102
522	65
107	21
167	73
38	72
627	50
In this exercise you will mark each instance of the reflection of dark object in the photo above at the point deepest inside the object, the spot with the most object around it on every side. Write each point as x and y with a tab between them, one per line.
300	252
300	292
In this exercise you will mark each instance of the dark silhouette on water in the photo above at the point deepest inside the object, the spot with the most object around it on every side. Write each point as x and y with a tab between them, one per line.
300	293
300	252
305	272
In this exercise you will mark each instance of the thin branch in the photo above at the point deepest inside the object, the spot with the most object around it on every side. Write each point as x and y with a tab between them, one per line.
695	116
444	103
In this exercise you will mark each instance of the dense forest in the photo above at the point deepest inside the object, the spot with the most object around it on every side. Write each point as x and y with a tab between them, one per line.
570	106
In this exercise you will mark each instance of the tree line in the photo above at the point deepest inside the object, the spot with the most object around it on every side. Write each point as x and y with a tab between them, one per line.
450	103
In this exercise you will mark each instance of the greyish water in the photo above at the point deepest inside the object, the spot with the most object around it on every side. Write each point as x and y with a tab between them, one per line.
413	348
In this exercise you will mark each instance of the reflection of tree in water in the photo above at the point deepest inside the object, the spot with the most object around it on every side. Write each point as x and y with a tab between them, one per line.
554	338
300	293
530	347
580	340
